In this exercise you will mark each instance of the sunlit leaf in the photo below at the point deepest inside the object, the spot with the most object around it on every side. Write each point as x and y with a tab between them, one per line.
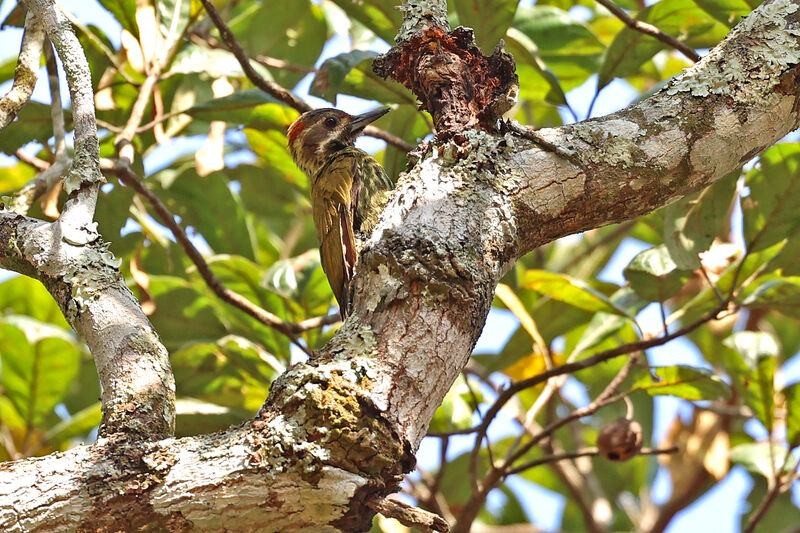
763	458
691	224
751	366
251	108
33	123
380	16
679	18
569	290
489	18
35	375
654	275
729	12
771	210
688	383
792	396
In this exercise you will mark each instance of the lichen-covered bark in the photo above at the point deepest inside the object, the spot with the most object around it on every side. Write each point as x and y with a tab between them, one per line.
26	72
138	391
739	100
342	428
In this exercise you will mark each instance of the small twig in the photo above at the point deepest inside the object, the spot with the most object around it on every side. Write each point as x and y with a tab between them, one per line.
275	90
132	180
30	52
649	29
711	284
274	62
582	453
567	368
765	504
533	135
408	515
314	323
269	87
38	164
604	398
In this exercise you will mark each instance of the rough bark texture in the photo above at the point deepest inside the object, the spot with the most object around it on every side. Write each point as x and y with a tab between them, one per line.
138	391
342	427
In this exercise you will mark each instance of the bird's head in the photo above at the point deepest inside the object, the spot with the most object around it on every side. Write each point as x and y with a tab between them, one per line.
318	134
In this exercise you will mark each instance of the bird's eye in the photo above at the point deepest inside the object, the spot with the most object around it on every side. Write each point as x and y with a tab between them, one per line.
331	122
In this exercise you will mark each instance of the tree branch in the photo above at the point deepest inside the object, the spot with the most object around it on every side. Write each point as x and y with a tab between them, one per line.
129	178
138	390
275	90
649	29
699	127
30	52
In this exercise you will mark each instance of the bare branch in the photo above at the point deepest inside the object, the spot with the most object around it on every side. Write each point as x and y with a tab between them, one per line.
275	90
30	52
649	29
408	515
129	178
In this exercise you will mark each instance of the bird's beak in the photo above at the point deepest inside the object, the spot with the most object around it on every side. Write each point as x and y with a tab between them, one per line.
360	122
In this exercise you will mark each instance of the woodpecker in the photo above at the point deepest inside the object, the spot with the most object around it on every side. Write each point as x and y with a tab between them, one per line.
349	189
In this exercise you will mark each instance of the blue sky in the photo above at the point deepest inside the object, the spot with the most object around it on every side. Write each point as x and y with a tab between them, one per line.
718	510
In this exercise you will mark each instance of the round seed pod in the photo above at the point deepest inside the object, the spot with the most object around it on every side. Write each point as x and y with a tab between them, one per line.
620	440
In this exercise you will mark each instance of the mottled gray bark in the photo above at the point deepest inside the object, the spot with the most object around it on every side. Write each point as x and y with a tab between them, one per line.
342	428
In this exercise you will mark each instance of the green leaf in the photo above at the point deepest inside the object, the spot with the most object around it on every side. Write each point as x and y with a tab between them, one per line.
771	210
685	382
729	12
332	72
35	374
751	366
183	314
26	296
604	325
792	396
380	16
762	458
774	292
251	108
215	63
680	18
489	18
566	45
537	81
780	515
408	123
351	73
456	410
32	124
195	417
293	31
271	148
14	177
691	224
208	204
173	16
124	12
231	372
111	213
569	290
654	275
78	425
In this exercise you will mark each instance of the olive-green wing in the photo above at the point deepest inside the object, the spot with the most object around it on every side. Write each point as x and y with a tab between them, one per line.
333	219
